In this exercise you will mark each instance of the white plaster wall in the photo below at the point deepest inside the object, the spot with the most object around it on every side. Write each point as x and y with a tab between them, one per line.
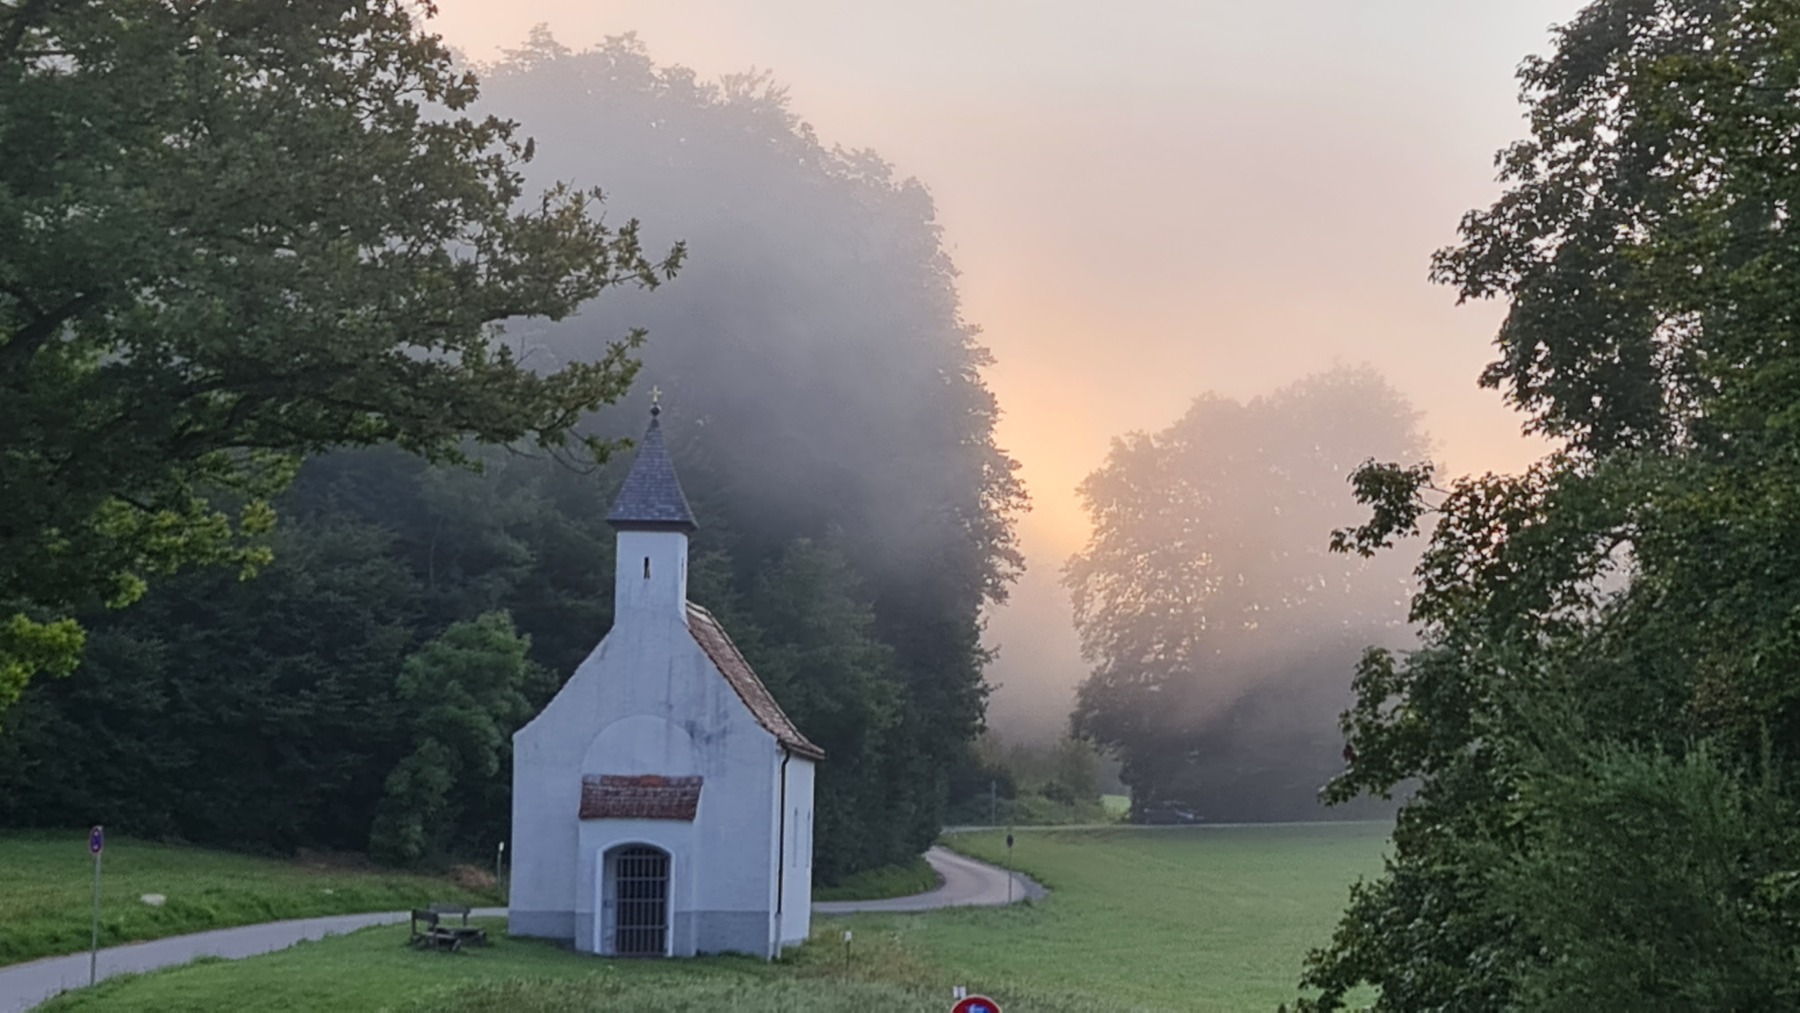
796	907
664	589
647	701
642	744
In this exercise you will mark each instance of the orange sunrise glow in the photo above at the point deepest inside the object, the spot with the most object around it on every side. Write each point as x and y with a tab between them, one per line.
1146	202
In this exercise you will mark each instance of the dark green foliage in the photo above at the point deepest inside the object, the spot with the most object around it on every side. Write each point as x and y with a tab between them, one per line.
915	876
260	714
855	517
1604	719
465	692
232	235
1636	885
1029	783
818	654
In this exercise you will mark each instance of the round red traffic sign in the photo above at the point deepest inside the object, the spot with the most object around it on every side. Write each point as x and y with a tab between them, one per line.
976	1004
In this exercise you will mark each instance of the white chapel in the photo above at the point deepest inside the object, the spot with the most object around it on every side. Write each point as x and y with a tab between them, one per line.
662	802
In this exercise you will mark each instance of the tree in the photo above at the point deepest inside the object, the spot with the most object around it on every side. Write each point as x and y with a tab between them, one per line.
1602	720
258	715
816	649
1209	605
855	513
467	692
235	234
293	677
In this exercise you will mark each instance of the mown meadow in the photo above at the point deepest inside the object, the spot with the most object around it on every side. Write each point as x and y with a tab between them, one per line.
46	891
1139	919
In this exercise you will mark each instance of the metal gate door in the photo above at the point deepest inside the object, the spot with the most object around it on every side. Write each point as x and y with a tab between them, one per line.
641	884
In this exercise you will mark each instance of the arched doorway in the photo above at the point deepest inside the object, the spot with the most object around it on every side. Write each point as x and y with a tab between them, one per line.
637	877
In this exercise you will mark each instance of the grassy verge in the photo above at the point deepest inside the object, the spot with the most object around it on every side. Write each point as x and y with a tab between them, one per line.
375	970
1191	919
879	884
46	892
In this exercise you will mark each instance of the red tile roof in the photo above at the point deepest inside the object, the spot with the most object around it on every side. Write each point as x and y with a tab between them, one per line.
643	797
725	656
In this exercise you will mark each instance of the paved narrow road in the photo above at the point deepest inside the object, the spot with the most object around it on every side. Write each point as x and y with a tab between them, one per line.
967	883
22	986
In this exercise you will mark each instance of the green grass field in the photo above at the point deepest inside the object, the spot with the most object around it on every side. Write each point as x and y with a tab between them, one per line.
375	970
1204	918
46	892
1140	919
888	881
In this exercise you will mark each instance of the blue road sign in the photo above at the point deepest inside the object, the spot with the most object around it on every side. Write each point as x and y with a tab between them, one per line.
976	1004
96	840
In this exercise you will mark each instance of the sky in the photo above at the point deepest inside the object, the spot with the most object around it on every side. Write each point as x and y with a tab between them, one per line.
1147	200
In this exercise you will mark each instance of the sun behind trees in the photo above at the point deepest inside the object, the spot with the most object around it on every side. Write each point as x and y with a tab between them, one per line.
1221	628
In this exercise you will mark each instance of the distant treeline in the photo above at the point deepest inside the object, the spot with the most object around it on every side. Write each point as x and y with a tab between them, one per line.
829	423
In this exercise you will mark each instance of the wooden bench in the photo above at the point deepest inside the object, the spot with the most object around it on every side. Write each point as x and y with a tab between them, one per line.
432	929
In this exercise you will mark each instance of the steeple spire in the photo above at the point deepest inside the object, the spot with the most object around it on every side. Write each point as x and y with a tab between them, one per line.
651	499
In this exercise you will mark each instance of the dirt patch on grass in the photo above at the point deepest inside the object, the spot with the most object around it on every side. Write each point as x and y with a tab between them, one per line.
334	861
472	877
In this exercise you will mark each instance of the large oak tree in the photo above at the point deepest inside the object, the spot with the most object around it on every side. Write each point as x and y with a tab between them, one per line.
1218	624
1603	722
236	233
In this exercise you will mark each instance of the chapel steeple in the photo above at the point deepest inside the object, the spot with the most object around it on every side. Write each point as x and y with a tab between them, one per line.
651	499
653	520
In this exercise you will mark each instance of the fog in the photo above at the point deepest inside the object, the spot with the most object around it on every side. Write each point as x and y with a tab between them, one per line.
1219	626
1143	206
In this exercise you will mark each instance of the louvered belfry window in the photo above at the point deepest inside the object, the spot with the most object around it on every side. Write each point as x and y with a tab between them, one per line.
641	884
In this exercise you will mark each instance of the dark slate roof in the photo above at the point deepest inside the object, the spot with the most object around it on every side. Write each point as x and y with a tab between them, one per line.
725	657
652	496
641	797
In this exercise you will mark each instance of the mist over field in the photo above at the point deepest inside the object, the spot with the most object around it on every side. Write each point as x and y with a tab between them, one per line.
1328	436
801	355
1143	206
815	314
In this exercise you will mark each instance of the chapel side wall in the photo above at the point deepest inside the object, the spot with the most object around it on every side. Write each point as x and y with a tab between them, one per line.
796	908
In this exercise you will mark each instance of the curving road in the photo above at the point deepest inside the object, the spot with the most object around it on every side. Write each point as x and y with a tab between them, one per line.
22	986
966	883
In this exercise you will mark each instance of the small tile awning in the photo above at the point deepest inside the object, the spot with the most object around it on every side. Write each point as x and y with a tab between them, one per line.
639	797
